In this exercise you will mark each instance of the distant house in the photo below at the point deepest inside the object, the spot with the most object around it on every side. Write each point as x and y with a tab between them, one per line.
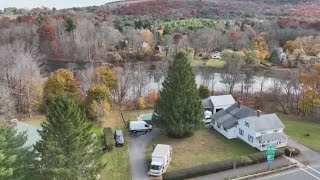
216	55
257	130
217	103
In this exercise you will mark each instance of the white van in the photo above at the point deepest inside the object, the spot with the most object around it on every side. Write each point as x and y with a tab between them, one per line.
138	126
160	159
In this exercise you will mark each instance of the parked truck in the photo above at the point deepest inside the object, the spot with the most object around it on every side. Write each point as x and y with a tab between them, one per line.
160	160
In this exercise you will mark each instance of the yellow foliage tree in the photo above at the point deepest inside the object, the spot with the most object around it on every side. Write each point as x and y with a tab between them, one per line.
106	76
259	44
98	101
61	81
290	46
141	103
311	90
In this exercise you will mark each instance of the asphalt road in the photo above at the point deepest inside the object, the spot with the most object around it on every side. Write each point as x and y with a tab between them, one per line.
305	173
137	148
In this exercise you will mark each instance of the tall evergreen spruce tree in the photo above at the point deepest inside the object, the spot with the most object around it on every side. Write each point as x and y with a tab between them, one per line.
15	158
178	109
67	148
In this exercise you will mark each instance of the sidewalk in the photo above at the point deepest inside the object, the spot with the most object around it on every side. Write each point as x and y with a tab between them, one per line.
277	163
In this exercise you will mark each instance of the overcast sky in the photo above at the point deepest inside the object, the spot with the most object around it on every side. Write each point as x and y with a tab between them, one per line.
59	4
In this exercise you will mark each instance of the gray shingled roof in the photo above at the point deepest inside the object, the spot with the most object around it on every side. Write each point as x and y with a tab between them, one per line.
229	117
206	103
272	137
264	122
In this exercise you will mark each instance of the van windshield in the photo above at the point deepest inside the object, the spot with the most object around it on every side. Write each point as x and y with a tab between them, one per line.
155	167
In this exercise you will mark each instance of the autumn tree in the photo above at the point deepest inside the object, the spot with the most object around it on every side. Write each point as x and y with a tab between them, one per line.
178	109
152	96
146	35
104	75
311	97
59	82
98	102
47	37
290	46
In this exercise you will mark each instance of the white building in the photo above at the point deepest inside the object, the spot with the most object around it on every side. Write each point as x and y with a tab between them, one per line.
217	103
257	130
216	55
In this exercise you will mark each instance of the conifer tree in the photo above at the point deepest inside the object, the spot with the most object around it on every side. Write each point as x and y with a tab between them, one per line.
15	158
178	109
68	149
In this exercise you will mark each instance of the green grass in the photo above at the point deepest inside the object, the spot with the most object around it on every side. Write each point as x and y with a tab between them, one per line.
132	115
203	147
217	63
117	167
36	121
298	128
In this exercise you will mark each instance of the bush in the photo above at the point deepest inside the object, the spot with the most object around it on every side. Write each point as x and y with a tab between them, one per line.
296	152
108	139
262	156
203	169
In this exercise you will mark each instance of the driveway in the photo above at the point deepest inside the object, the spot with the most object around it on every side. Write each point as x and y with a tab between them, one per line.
137	148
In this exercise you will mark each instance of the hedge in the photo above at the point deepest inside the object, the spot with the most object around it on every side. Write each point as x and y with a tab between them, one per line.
108	139
218	166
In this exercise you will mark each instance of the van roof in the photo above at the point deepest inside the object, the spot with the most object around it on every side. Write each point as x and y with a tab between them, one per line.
118	131
138	122
161	150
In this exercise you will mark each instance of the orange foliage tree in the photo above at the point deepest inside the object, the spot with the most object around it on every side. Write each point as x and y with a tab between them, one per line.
311	90
152	96
104	75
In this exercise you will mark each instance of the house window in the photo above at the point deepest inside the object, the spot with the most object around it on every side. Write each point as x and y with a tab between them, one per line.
247	124
250	138
241	132
276	130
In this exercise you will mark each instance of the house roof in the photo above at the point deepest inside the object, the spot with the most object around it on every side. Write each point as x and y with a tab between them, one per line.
222	100
206	103
229	117
264	122
272	137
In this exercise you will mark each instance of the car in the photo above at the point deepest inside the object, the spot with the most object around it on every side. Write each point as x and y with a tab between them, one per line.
118	137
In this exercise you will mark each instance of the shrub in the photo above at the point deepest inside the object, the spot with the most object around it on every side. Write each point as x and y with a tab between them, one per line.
218	166
108	139
296	152
140	103
203	169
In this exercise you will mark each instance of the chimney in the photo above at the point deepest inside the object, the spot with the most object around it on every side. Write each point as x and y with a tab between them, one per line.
239	103
258	113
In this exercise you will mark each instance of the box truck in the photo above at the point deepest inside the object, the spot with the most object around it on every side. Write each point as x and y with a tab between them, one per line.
138	126
160	160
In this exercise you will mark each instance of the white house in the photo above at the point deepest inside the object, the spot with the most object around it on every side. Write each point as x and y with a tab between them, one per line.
257	130
216	55
217	103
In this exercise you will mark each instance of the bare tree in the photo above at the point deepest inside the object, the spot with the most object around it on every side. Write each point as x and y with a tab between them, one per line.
123	79
7	100
140	79
232	73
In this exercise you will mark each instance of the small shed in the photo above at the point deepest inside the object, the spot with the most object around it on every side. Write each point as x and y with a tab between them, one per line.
217	103
216	55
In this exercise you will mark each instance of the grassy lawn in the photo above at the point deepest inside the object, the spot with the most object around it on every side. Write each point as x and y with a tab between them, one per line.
198	61
203	147
297	129
117	167
36	121
132	115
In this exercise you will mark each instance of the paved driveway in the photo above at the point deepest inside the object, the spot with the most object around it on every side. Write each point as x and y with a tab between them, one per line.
137	148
